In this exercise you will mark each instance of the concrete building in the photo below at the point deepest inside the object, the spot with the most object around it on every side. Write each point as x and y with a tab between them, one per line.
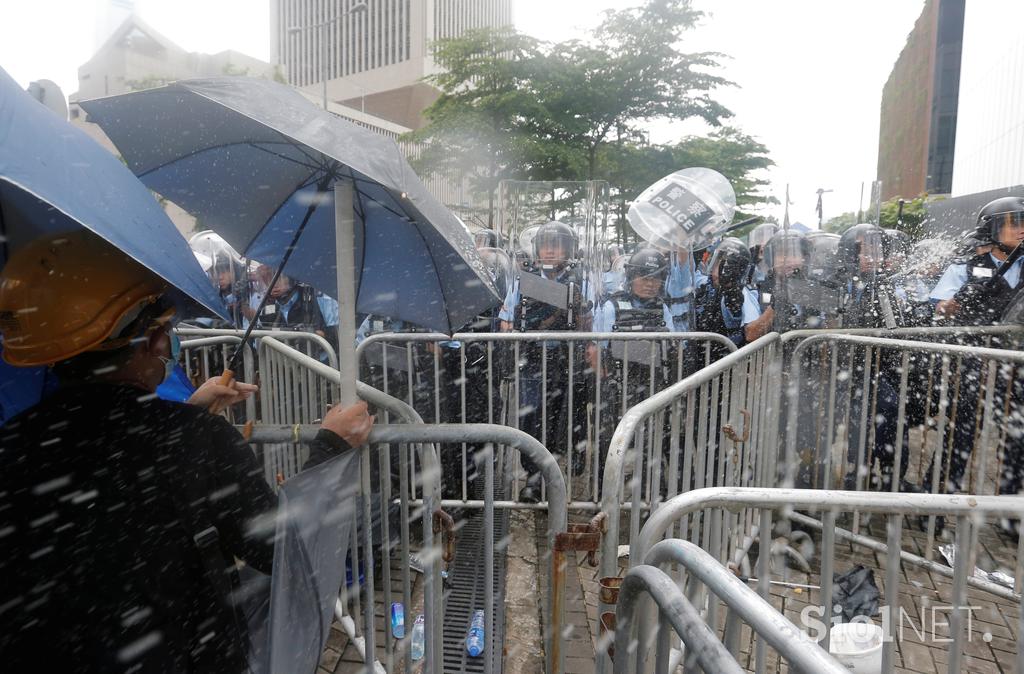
917	129
136	56
377	51
990	132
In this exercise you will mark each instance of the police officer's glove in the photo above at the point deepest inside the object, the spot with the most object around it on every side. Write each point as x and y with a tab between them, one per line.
974	293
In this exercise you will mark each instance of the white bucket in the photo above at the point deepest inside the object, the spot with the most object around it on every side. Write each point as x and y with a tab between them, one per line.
857	646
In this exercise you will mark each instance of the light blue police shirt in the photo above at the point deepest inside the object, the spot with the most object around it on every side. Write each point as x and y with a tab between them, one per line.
955	277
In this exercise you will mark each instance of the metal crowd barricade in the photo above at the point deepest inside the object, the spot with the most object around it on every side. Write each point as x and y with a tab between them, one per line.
968	512
717	424
418	490
482	379
700	641
743	602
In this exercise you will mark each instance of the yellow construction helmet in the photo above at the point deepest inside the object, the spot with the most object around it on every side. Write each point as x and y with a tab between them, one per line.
69	293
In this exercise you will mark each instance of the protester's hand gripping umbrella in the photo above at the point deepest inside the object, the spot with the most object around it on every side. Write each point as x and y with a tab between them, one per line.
54	178
265	168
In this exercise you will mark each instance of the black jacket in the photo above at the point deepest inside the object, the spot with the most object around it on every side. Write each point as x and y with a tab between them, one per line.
103	491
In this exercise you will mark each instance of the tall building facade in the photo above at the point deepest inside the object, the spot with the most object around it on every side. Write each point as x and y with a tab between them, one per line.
375	53
990	132
917	127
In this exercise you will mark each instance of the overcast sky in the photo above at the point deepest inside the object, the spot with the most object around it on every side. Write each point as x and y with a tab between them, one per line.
810	73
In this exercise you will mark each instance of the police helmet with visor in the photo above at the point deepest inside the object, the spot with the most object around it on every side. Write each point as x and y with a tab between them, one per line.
1001	222
731	263
822	262
647	263
488	238
554	245
860	249
787	253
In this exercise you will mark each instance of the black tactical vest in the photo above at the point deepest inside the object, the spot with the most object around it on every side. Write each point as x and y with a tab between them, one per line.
533	315
981	269
637	315
305	314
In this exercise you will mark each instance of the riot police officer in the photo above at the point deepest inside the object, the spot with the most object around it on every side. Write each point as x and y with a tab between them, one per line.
488	238
727	305
640	307
868	300
756	240
976	291
548	298
786	258
685	275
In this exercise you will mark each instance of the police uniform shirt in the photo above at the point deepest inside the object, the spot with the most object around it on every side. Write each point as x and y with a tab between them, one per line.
679	287
955	277
328	309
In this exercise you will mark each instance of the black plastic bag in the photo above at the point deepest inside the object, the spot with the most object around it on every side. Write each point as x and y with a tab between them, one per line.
856	593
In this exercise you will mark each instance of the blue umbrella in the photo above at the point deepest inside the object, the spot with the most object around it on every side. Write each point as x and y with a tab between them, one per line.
54	178
257	162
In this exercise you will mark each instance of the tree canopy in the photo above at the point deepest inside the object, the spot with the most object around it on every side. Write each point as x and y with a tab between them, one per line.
512	107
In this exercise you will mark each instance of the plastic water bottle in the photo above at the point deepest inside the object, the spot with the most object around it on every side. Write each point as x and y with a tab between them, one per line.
417	638
397	620
475	638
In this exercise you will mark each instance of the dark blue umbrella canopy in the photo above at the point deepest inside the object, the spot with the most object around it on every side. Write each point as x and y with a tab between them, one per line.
54	178
254	159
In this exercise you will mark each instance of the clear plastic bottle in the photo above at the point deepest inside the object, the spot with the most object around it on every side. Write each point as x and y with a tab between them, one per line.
475	638
398	620
418	638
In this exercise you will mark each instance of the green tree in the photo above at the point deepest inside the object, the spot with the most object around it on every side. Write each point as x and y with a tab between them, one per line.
600	91
476	127
911	222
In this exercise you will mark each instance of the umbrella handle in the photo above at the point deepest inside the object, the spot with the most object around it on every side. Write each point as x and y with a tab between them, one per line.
226	378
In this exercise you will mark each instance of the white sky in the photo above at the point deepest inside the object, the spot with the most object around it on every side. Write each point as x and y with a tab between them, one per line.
810	72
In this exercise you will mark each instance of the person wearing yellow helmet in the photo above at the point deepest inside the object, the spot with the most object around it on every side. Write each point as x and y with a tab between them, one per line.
124	515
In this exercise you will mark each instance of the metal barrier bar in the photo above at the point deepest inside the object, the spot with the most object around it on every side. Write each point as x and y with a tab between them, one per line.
966	508
583	393
280	335
776	629
701	643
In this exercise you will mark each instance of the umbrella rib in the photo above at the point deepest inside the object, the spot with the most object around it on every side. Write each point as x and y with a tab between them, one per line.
312	167
199	152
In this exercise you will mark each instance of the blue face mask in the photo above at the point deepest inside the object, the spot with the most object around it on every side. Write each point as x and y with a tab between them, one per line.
169	363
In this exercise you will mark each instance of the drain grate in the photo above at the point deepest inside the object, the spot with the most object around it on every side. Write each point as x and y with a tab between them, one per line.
467	587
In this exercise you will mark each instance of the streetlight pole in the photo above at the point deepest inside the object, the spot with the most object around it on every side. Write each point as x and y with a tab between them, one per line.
361	7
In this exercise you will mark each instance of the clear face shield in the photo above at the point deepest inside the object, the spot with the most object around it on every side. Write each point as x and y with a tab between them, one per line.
553	249
225	264
1007	229
822	262
870	254
485	239
785	256
525	240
